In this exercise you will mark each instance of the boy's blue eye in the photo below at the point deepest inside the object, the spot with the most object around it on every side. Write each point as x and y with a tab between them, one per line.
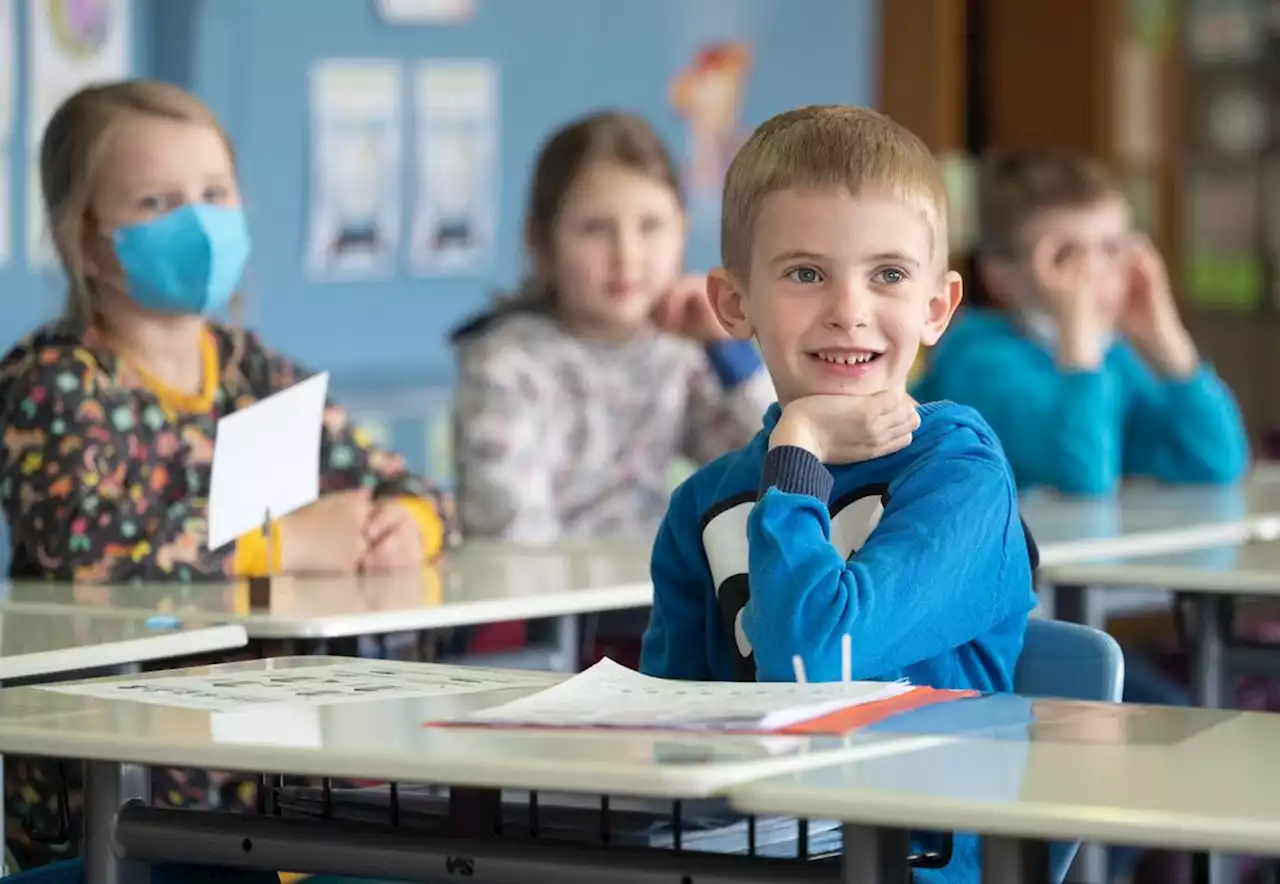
890	276
153	203
215	195
805	275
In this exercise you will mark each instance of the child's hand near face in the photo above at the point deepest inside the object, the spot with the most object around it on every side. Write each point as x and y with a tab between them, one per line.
1150	318
393	537
848	429
1067	275
686	310
328	536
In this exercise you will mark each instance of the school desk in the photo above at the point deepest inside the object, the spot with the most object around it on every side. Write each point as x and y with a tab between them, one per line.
45	645
1147	776
481	583
385	739
1146	519
1211	580
51	643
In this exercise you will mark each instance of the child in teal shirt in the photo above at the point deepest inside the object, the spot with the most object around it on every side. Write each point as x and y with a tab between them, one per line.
1087	374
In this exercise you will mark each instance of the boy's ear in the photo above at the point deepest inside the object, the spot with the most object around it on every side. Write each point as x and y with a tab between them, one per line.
728	298
942	306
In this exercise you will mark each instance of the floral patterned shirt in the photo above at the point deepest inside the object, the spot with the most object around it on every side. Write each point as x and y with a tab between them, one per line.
104	474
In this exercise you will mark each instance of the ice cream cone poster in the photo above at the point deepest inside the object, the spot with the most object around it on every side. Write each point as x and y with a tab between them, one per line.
708	95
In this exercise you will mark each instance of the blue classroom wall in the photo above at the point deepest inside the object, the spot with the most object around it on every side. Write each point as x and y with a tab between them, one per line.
250	59
384	341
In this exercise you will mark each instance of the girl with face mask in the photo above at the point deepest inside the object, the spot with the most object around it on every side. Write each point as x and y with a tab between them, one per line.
108	414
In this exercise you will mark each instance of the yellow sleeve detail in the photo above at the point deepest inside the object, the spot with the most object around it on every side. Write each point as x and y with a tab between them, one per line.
251	553
430	525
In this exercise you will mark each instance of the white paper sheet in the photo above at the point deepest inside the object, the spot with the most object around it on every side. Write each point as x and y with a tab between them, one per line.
325	685
456	149
266	460
356	159
611	695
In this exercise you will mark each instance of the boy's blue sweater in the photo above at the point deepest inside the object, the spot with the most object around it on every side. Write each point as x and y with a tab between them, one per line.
1081	432
920	557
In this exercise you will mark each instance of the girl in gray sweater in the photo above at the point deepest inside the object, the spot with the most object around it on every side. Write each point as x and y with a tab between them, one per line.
577	396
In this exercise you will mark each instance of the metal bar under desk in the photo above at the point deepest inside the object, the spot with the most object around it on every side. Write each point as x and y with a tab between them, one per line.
337	847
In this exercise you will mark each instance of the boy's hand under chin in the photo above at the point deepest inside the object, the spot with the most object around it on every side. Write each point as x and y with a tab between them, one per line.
848	429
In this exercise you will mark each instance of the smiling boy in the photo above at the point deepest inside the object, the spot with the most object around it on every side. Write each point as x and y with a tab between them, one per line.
854	511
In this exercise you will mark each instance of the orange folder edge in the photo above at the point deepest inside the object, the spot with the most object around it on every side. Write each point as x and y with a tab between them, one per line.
845	721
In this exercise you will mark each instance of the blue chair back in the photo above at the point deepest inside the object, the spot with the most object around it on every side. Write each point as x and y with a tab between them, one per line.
1068	661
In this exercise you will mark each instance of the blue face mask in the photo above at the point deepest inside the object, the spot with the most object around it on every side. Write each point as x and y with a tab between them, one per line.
187	261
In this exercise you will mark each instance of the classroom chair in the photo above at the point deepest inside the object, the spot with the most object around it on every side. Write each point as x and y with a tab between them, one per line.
1068	661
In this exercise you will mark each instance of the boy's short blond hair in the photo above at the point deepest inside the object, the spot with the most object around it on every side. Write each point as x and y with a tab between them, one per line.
1016	186
825	146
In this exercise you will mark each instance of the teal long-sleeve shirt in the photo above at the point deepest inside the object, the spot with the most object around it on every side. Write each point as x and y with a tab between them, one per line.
1081	432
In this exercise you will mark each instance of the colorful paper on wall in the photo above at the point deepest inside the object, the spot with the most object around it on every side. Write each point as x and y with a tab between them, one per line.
1224	215
71	44
708	94
455	158
8	78
356	157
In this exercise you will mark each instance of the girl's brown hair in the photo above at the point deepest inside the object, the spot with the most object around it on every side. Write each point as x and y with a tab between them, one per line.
615	137
74	143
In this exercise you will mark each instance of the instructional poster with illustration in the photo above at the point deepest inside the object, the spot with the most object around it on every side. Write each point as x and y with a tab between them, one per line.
8	77
455	158
71	44
356	130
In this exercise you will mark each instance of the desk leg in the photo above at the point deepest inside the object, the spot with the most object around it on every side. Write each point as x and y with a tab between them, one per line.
1209	629
1014	860
568	644
875	856
107	786
1076	604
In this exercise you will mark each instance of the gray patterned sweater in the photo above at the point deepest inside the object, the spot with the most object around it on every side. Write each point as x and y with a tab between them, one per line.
557	437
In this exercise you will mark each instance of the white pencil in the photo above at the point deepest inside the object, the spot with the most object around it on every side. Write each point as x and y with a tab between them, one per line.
846	671
798	665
